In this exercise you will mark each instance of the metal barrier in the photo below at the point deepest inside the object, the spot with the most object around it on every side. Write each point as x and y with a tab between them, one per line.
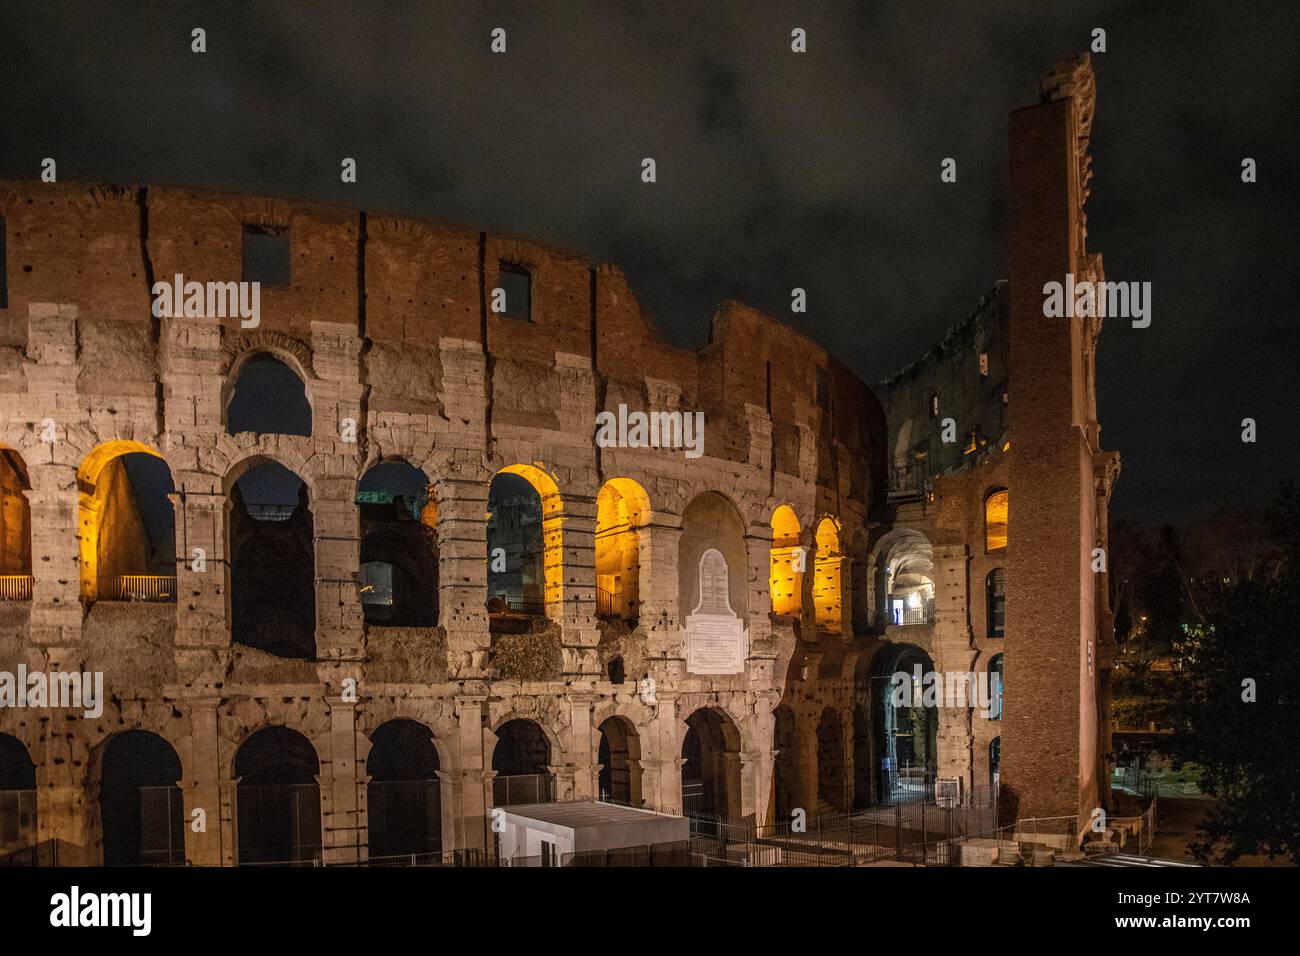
15	587
137	587
523	788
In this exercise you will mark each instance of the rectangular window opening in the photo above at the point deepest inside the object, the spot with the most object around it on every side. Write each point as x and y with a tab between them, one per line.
266	255
515	283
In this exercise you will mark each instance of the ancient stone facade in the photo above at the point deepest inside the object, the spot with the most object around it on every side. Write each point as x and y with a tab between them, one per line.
390	326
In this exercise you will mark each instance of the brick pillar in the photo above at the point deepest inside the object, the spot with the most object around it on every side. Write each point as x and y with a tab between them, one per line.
1049	729
661	616
953	652
583	742
65	802
462	575
472	778
661	756
201	563
758	551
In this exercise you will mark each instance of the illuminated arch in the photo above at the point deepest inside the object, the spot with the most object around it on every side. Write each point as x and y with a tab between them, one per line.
786	563
622	509
15	528
535	582
828	595
126	524
995	519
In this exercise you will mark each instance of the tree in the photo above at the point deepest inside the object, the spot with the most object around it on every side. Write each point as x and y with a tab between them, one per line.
1235	706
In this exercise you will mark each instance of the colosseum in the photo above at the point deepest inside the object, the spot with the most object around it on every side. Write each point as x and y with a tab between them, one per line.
356	571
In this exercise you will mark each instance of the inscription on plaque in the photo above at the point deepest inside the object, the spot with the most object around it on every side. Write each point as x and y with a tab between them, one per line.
715	636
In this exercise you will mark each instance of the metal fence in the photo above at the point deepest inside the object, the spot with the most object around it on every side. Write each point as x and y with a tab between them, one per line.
15	587
523	788
137	587
17	819
405	817
279	824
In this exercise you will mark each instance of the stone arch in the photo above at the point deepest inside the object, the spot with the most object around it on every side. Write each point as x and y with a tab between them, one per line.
828	596
785	771
15	527
787	563
404	794
903	572
711	521
17	796
399	545
622	510
521	758
142	811
711	778
277	797
271	559
525	542
619	756
266	393
126	523
905	725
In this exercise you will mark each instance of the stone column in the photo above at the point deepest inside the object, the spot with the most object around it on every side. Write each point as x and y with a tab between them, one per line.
583	741
335	523
954	652
201	564
200	755
462	575
661	617
56	557
578	610
343	819
758	551
473	777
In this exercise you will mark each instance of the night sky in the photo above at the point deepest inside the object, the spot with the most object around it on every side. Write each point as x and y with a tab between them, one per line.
775	170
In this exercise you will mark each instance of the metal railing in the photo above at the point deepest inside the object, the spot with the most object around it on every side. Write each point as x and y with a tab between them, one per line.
279	824
535	607
137	587
606	604
908	483
516	789
15	587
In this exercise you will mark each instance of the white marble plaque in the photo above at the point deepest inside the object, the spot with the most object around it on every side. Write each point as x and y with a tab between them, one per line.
715	636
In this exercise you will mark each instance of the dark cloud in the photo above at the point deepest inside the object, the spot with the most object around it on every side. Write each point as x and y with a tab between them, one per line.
775	170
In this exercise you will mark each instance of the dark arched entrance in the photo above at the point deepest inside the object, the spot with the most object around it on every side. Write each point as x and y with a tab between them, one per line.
278	799
907	729
619	756
832	789
786	771
141	807
711	773
522	759
403	799
17	797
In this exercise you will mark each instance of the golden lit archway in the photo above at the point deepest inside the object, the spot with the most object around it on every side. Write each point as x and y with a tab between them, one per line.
995	520
552	537
15	528
622	508
828	596
126	524
786	563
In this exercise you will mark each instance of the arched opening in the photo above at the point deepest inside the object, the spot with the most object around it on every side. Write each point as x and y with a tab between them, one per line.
126	524
267	398
904	579
832	782
907	725
622	509
785	773
861	757
828	595
15	528
995	520
403	798
711	772
522	759
995	687
17	797
273	562
141	807
711	522
786	563
619	757
995	602
525	542
278	798
399	547
995	763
